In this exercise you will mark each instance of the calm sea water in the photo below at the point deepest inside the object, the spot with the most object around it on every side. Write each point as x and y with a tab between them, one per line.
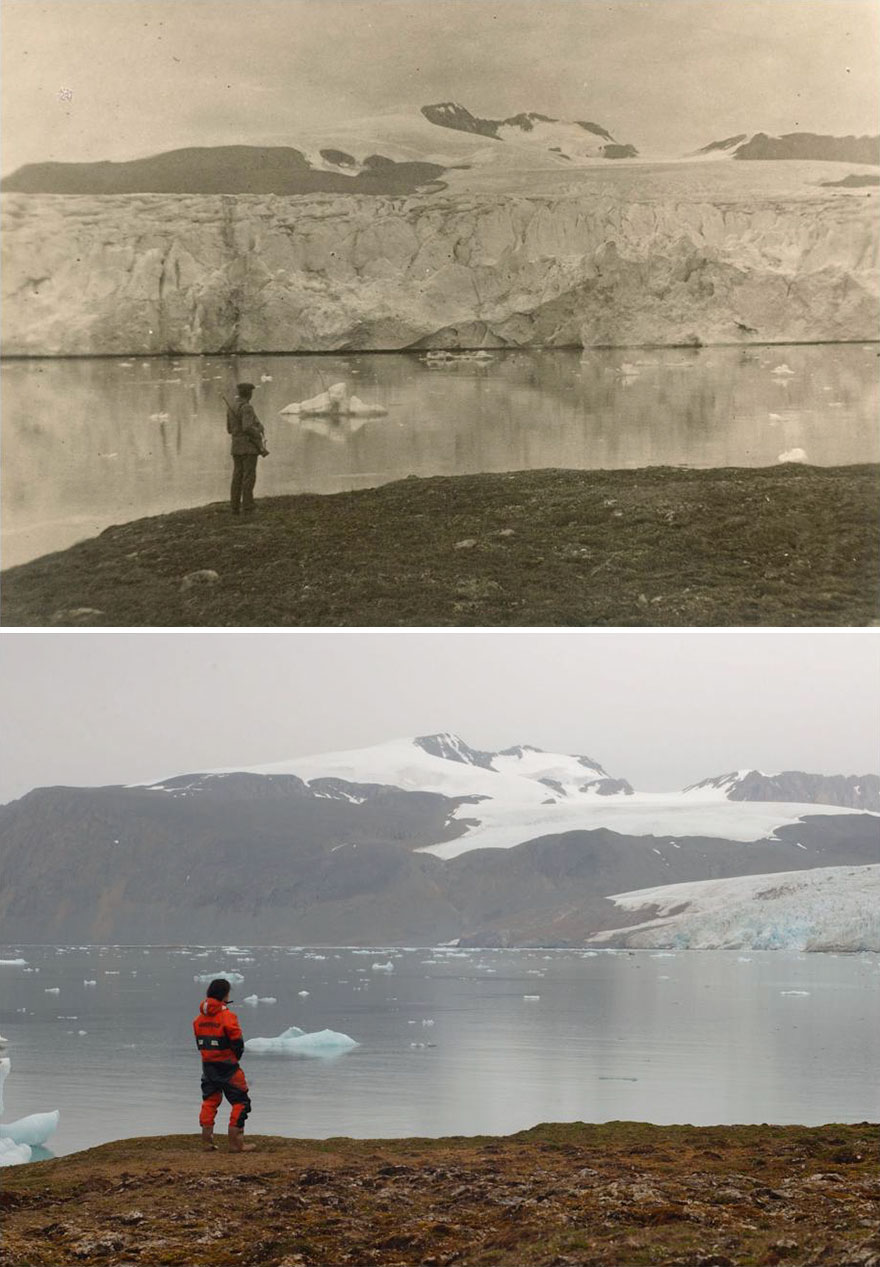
91	442
449	1042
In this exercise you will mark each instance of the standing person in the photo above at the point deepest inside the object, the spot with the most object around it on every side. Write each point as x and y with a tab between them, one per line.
248	444
220	1042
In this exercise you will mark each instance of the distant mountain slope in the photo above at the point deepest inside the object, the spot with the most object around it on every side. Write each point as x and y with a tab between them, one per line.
795	145
855	791
572	140
226	169
384	844
729	143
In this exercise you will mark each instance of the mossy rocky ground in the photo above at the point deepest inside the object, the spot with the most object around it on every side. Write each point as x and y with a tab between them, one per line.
624	1194
787	545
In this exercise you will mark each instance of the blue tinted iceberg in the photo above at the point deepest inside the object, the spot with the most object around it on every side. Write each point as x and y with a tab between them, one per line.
19	1137
13	1154
32	1130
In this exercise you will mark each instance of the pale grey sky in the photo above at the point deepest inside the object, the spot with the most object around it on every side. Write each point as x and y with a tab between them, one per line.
662	708
89	79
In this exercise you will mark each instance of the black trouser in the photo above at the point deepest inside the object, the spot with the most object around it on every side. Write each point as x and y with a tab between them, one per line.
219	1079
244	477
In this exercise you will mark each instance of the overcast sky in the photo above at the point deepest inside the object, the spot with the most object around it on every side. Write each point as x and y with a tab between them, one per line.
89	79
662	708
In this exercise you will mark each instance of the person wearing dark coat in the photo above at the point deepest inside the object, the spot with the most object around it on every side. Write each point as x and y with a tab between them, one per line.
248	444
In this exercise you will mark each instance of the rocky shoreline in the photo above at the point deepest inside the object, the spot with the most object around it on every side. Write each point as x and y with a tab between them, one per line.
785	545
619	1194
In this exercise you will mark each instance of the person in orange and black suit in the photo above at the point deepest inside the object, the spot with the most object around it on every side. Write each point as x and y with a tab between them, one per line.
248	444
220	1043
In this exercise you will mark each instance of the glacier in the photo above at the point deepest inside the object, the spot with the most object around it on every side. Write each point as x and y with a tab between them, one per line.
829	908
651	254
297	1042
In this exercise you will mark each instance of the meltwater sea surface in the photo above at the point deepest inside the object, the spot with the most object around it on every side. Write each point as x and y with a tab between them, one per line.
449	1041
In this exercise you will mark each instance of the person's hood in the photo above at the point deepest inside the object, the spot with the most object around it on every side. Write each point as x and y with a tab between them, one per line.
210	1007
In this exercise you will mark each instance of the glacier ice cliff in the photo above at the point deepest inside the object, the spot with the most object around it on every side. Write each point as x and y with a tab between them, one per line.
591	264
828	908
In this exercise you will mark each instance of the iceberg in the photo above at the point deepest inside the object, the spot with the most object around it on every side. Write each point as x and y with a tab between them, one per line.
334	402
234	978
32	1130
19	1137
11	963
383	967
13	1154
296	1042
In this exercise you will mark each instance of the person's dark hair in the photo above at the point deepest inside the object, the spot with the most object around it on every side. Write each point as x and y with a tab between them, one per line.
218	989
245	389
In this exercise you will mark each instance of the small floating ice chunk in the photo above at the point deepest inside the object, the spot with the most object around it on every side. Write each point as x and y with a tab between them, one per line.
12	963
793	455
265	378
782	370
52	989
531	998
303	994
796	993
296	1042
159	417
383	967
234	978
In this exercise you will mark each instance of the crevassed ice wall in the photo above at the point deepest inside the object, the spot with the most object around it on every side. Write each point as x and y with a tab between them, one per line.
161	273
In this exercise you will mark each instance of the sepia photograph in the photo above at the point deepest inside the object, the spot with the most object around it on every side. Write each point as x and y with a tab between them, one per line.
605	906
440	313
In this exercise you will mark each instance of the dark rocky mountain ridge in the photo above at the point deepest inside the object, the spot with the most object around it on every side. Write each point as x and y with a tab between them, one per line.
810	146
223	169
854	791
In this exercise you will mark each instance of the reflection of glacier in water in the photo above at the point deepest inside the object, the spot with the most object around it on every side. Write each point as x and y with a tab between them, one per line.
93	441
448	1042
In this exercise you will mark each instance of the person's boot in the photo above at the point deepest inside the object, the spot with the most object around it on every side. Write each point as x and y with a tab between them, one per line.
208	1139
236	1141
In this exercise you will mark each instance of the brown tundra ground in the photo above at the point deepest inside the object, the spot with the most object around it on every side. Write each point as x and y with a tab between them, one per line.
784	545
621	1194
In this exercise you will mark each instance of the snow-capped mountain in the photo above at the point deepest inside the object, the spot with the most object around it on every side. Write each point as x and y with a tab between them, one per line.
498	800
445	764
413	842
828	908
575	141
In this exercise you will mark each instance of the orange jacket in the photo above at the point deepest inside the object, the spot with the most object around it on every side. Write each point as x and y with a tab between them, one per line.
218	1033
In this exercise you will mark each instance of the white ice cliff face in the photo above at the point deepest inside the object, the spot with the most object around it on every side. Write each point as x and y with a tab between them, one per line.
829	908
601	262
